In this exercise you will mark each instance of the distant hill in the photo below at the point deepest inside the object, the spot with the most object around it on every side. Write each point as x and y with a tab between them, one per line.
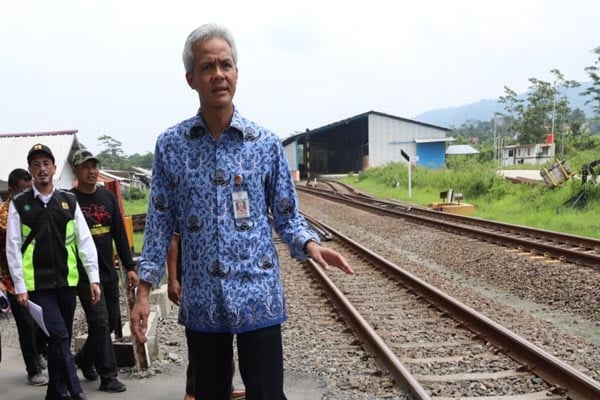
483	110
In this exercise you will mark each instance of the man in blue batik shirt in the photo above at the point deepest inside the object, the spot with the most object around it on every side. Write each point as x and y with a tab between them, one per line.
203	168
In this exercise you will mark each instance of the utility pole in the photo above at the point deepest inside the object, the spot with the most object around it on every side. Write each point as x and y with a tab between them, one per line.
553	105
307	145
562	138
562	144
497	142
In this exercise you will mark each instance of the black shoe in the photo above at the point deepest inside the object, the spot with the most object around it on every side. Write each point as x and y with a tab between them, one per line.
79	396
37	379
42	362
112	385
88	371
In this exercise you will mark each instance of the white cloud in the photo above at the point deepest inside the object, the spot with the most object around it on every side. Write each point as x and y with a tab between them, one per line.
114	67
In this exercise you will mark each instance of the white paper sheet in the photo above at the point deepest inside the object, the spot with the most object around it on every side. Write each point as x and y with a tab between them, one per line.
38	316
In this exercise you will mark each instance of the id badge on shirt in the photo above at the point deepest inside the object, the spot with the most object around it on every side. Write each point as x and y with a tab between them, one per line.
241	206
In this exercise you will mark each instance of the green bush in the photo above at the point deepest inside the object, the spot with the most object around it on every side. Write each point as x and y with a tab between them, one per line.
466	176
495	198
133	194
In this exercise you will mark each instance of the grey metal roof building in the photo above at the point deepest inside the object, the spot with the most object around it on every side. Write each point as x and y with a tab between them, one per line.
366	140
460	149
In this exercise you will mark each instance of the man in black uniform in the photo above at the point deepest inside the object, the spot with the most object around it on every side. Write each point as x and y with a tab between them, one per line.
103	215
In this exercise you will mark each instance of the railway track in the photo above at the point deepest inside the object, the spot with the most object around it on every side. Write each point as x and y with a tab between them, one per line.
536	242
436	346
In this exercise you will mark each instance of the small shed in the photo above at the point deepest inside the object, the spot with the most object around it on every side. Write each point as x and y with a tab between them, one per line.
128	179
460	149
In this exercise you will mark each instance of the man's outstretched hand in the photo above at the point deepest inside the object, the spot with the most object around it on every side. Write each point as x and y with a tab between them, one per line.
327	258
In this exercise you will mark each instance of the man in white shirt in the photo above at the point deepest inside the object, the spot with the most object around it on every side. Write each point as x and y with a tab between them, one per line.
46	232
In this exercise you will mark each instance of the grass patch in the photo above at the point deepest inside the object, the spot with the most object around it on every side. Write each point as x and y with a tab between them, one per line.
134	207
138	241
495	198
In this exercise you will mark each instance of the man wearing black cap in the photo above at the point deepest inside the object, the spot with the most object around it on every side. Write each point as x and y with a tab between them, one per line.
103	215
46	232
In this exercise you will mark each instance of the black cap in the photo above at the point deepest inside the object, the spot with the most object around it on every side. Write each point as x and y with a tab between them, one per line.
81	156
39	149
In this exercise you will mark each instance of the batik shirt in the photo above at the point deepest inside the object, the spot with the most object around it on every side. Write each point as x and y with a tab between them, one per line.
230	268
4	273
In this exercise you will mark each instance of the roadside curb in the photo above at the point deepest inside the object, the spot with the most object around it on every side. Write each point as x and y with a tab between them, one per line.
160	307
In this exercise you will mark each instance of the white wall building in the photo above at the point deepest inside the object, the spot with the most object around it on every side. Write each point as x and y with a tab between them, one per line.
532	154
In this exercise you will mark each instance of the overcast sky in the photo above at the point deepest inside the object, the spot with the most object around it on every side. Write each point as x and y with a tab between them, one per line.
113	67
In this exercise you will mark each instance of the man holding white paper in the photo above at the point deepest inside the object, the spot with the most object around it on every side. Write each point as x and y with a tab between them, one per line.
46	233
38	316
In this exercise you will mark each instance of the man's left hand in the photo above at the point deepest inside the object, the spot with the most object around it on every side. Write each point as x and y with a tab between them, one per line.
96	292
326	257
132	279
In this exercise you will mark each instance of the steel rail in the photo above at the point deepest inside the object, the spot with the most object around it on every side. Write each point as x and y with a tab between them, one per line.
534	359
374	344
588	243
551	236
573	255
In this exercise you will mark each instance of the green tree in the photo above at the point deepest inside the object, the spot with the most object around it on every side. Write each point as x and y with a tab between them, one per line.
473	129
537	114
112	157
576	120
514	107
561	109
545	109
142	161
510	123
593	72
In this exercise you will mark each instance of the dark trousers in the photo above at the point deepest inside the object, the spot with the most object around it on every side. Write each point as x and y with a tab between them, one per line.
190	374
31	338
98	349
58	306
261	363
110	289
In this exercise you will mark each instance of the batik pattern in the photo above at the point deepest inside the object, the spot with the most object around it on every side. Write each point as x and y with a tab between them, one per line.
230	268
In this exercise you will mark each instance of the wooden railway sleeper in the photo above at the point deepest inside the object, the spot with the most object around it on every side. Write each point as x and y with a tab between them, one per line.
526	368
558	390
547	367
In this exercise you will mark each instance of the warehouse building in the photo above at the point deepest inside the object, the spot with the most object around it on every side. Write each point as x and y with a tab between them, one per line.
366	140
